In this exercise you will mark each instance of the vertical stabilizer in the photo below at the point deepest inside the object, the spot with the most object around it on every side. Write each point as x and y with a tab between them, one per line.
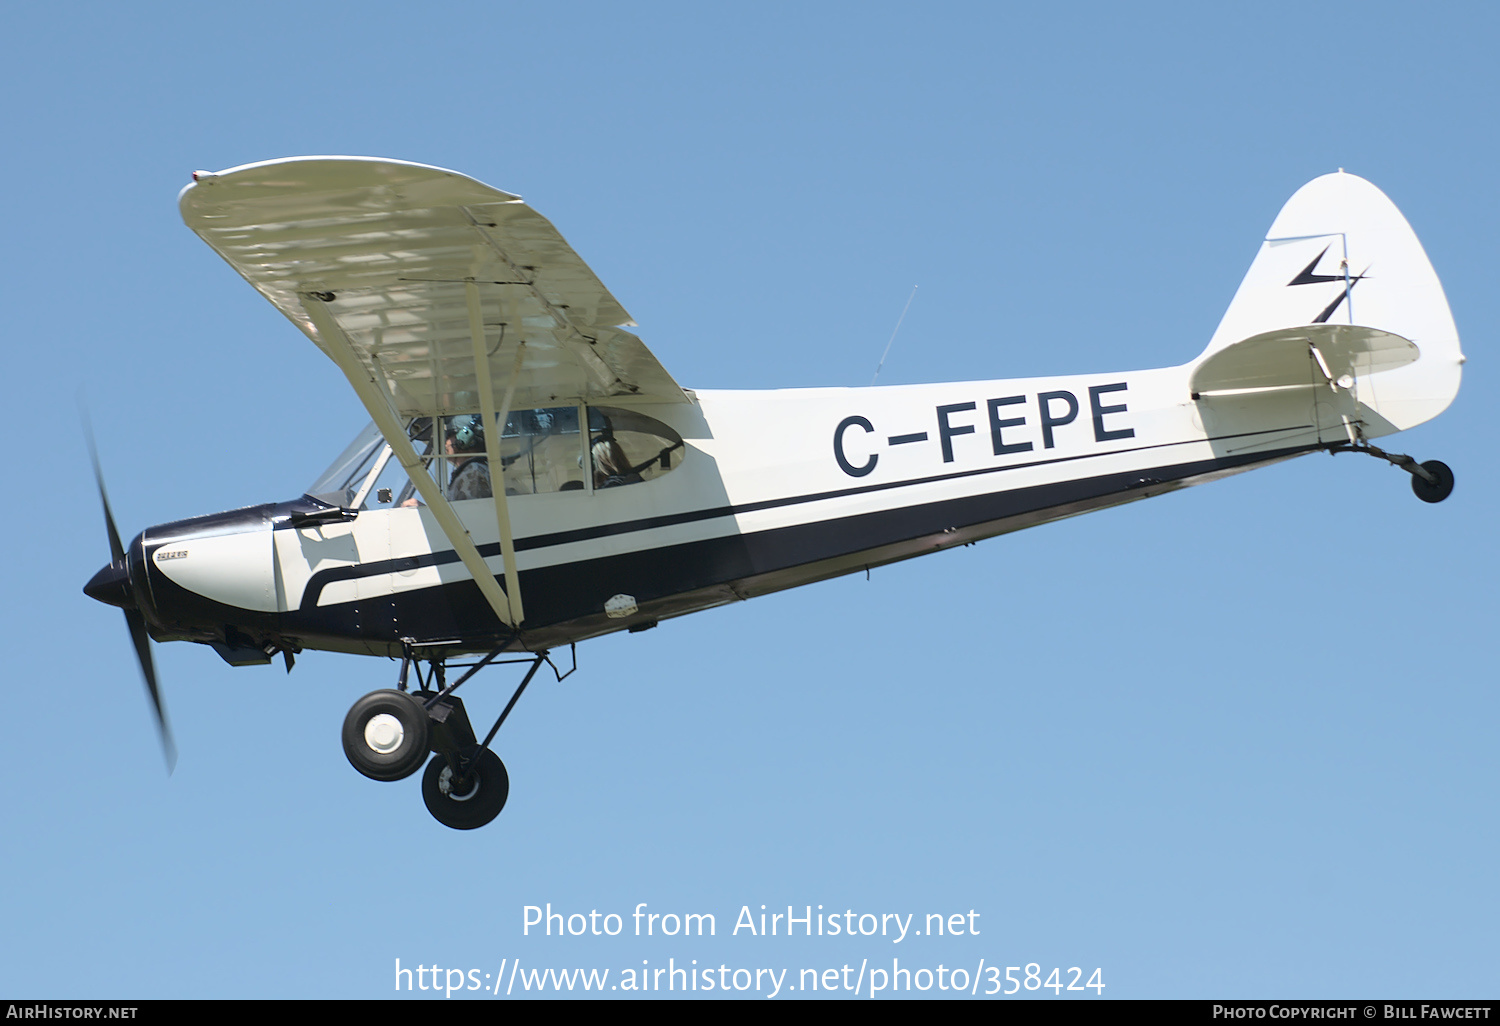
1340	253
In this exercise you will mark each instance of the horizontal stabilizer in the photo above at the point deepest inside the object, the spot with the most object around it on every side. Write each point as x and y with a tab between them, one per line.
1312	354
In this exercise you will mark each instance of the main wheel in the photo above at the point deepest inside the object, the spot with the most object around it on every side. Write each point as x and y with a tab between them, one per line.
387	735
485	789
1439	488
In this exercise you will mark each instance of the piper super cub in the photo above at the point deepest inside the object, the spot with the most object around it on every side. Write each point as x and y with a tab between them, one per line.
534	477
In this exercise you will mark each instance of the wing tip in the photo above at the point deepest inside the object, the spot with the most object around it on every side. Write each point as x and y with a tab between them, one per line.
262	172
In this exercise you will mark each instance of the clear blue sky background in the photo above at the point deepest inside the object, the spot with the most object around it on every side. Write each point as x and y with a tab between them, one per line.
1234	742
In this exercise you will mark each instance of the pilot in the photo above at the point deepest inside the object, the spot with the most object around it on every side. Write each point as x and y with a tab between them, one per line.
464	439
470	476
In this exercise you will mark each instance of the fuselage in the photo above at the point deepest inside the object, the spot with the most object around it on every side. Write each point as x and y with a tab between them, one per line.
769	490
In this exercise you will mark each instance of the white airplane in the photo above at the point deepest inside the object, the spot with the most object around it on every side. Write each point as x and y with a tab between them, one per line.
488	354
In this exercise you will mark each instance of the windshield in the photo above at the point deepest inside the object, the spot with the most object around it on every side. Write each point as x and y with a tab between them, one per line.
365	471
340	483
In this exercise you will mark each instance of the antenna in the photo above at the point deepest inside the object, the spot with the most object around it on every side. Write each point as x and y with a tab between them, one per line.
893	334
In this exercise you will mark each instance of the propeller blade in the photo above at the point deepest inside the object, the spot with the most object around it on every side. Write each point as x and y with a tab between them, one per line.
133	618
142	641
116	550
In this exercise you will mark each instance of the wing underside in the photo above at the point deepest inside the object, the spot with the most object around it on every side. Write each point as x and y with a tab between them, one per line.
395	251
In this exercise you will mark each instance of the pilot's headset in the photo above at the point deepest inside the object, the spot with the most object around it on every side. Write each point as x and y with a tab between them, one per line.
467	432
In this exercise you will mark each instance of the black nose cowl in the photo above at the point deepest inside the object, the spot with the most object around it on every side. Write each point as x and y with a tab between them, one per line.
111	586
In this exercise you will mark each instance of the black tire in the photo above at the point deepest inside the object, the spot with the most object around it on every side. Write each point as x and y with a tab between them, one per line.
489	787
363	741
1439	488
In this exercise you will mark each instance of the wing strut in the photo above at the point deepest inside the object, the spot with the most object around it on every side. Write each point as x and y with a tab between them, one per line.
493	426
377	400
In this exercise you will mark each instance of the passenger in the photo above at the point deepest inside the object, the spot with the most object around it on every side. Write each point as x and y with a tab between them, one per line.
611	467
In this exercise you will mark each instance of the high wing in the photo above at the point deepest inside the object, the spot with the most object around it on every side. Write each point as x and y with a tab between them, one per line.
435	295
389	249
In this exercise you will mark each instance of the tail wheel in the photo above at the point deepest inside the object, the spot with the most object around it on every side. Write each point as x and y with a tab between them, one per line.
1439	488
472	801
387	735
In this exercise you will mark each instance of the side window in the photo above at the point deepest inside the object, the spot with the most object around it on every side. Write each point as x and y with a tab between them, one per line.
541	451
393	486
628	448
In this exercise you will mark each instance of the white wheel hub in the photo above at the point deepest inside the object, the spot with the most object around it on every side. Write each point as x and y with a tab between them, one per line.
445	785
384	733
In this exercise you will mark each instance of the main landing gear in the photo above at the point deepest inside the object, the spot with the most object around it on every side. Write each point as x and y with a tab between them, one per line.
1431	481
389	733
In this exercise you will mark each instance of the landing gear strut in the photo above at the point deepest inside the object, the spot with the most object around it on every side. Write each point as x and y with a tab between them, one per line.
389	733
1431	481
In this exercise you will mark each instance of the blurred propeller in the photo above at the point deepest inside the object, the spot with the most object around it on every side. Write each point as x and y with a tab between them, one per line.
111	585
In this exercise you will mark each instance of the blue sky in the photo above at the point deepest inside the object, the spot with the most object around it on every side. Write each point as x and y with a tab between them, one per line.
1234	742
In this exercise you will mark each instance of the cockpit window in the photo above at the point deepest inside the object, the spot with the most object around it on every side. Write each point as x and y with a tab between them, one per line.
341	481
366	473
540	450
627	448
